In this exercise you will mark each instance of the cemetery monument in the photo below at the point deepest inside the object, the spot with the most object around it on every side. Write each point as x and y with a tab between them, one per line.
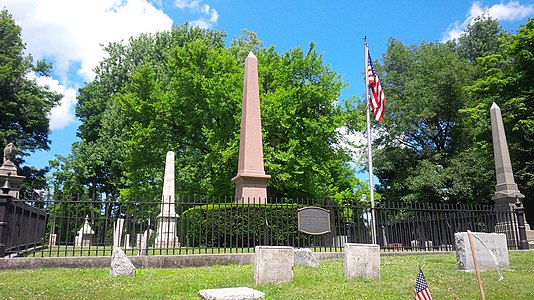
166	233
251	180
506	189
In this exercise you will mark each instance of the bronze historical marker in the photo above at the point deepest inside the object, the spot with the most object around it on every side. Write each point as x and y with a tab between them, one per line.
314	220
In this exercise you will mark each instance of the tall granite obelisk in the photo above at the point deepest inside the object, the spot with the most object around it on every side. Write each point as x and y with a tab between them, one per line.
166	234
251	180
506	189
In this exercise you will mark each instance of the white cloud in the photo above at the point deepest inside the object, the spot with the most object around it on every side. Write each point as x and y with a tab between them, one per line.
181	4
355	143
70	33
209	16
62	115
511	11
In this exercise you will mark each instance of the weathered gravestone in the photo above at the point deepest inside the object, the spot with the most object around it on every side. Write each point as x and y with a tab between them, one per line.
482	243
305	258
240	293
273	264
84	237
120	264
362	260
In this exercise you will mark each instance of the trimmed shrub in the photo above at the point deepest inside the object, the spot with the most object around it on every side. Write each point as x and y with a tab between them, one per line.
235	225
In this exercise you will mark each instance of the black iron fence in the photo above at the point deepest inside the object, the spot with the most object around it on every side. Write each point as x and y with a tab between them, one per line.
22	226
190	225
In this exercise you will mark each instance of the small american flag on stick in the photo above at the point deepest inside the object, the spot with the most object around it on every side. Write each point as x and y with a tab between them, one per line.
421	287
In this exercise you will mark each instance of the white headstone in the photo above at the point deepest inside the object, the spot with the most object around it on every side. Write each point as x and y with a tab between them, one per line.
145	238
273	264
305	258
117	232
362	260
127	241
52	238
482	243
240	293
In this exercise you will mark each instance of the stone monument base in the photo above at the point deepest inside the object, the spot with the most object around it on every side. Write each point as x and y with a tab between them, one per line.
14	182
166	237
251	188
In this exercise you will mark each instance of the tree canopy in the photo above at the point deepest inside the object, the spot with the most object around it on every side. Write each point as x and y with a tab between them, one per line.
436	137
506	79
181	91
24	105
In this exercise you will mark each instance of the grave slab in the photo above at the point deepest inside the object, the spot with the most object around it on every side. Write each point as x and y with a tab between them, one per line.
273	264
239	293
496	242
362	260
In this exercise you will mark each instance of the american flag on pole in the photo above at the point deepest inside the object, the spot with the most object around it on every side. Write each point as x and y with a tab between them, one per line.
378	100
421	288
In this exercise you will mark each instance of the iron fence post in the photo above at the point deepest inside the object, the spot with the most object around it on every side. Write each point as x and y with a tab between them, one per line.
5	202
520	212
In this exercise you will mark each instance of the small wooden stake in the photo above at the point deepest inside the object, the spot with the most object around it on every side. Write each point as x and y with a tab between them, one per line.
476	265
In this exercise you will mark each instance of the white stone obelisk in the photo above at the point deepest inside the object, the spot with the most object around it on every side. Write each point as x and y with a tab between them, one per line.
166	234
251	180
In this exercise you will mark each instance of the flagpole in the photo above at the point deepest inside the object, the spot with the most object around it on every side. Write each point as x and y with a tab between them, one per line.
369	152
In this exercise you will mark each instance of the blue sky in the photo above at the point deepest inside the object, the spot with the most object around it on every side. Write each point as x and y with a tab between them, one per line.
69	32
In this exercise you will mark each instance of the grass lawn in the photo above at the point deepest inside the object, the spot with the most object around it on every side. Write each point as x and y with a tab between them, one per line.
327	282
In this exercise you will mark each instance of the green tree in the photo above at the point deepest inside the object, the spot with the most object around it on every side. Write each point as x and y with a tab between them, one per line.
481	38
181	91
420	150
24	105
507	80
301	118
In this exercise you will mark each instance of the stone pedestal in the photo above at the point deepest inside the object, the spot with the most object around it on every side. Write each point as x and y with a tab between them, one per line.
251	188
362	261
8	170
167	232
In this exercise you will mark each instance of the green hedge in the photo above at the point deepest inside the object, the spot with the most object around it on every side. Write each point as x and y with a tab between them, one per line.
243	225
